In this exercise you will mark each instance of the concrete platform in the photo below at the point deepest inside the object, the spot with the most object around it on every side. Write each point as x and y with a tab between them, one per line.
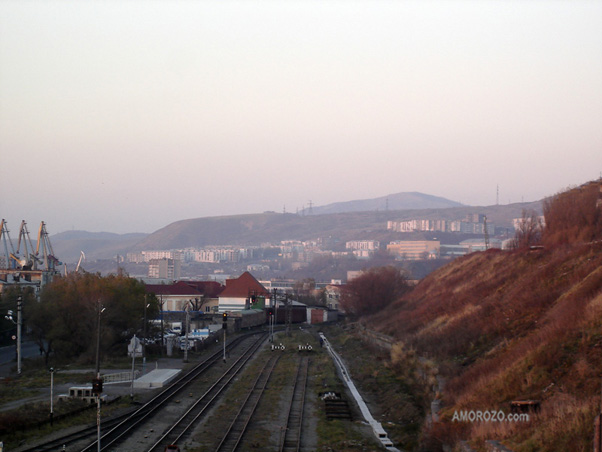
156	378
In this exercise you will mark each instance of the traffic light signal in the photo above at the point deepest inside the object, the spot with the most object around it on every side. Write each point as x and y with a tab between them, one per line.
224	320
253	299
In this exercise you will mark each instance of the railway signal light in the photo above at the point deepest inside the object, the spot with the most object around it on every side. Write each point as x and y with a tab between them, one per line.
97	386
224	320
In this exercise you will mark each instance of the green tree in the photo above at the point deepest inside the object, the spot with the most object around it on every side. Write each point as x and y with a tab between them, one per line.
65	320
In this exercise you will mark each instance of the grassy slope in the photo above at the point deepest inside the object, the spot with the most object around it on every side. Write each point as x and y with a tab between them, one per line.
512	325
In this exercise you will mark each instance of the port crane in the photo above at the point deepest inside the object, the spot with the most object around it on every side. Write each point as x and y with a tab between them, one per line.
50	262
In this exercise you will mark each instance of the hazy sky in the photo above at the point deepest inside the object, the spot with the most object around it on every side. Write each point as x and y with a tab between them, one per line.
124	116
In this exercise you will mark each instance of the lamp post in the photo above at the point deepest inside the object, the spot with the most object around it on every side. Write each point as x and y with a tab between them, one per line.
9	316
146	306
51	395
187	326
162	331
97	382
19	326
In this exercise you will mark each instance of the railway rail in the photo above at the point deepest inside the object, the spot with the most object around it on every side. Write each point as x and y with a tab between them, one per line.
188	420
115	429
291	442
238	426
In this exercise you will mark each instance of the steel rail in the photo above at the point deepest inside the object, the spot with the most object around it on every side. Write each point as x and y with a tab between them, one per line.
239	424
111	424
294	419
186	422
118	432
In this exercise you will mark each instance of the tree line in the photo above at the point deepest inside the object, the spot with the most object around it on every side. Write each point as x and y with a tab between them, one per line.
64	321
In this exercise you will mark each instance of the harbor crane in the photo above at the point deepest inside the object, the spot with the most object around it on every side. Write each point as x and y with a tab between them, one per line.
50	262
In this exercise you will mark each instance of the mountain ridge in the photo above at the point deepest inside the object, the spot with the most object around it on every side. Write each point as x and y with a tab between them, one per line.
395	201
258	228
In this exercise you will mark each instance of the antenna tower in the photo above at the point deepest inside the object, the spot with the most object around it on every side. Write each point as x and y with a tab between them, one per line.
486	232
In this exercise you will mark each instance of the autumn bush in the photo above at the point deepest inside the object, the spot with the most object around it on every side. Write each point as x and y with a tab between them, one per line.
373	290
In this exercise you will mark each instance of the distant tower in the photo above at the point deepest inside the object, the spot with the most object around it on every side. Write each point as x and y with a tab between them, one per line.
309	211
497	196
486	232
284	209
387	204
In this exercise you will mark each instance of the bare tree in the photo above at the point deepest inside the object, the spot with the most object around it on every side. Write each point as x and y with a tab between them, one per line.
529	230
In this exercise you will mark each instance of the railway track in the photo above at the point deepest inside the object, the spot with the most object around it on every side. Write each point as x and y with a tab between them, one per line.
238	426
189	419
117	429
291	442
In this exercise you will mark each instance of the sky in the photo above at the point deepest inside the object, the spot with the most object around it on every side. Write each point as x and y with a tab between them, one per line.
125	116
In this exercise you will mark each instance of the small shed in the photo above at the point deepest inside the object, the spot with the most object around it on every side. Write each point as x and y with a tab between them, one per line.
321	315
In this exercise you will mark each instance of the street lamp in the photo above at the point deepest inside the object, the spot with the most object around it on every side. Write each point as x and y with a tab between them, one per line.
100	310
146	306
51	394
97	382
187	326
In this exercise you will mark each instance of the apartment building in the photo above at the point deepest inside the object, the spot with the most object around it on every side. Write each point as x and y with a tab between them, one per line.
414	249
472	224
368	245
164	268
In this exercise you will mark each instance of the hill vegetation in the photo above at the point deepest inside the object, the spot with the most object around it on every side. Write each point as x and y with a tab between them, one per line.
338	222
515	325
254	229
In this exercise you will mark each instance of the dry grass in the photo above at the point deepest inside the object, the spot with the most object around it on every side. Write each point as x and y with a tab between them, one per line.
512	325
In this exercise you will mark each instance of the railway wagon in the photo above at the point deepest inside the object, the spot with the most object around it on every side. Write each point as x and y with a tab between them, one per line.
247	318
298	313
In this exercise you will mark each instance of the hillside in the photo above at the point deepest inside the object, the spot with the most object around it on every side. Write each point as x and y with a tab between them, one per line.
352	220
255	229
519	325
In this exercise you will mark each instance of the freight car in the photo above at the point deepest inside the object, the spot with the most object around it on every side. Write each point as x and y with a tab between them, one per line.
247	318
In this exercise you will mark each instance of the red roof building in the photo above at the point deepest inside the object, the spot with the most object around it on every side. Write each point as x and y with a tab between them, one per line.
240	291
201	294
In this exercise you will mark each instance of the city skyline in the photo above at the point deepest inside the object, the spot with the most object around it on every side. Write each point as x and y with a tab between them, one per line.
123	117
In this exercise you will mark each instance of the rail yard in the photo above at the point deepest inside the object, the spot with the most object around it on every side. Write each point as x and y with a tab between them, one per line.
262	397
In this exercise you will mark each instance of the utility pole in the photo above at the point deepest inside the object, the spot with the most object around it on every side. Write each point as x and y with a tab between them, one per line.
162	329
225	327
289	302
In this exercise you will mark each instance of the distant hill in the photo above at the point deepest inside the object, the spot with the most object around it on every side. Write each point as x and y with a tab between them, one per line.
397	201
67	246
254	229
353	220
